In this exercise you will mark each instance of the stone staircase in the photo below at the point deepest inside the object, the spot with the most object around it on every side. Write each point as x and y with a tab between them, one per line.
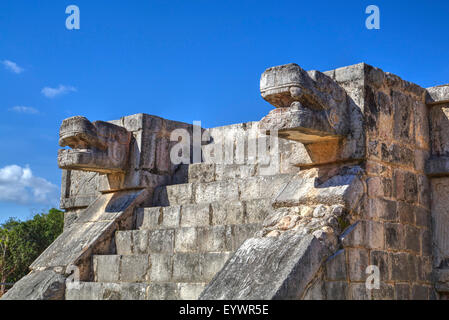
186	237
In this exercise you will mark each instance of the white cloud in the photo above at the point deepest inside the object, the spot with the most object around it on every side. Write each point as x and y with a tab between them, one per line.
12	66
23	109
54	92
18	185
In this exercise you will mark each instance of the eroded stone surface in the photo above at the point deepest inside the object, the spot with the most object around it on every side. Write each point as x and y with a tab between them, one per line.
91	230
359	183
98	147
38	285
312	106
268	268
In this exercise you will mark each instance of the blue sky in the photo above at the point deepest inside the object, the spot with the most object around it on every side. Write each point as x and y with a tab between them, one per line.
182	60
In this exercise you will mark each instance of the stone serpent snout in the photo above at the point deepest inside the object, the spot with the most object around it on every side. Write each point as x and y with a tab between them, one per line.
99	147
311	106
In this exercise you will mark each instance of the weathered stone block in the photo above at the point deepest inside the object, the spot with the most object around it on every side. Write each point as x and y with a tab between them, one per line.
134	268
162	155
257	210
148	218
316	290
403	117
399	184
217	238
163	291
412	239
350	73
336	290
107	268
382	209
374	234
235	172
336	267
140	241
385	292
161	267
171	217
420	292
439	116
74	244
401	291
211	263
387	184
411	187
124	242
161	241
148	142
201	172
190	291
216	191
406	213
186	267
440	220
359	261
180	194
398	154
228	213
262	187
438	94
84	291
195	215
368	234
358	291
123	291
421	157
381	260
377	169
301	259
344	188
375	187
242	233
402	267
423	191
426	243
424	269
186	240
394	236
38	285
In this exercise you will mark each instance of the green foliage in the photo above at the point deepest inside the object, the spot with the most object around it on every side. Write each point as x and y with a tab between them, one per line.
343	223
21	242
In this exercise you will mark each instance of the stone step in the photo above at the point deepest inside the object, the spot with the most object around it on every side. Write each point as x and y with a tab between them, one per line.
205	172
258	187
203	215
187	239
133	291
159	267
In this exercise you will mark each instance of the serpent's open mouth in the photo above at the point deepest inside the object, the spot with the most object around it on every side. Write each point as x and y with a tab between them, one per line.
98	147
310	106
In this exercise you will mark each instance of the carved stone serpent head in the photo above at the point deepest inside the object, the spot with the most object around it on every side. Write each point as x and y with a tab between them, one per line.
311	107
99	147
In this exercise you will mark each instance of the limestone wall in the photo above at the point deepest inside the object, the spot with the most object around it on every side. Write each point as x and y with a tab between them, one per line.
392	230
388	177
147	165
246	144
438	169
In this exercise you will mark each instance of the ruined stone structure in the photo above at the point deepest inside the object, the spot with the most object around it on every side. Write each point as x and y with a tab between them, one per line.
347	176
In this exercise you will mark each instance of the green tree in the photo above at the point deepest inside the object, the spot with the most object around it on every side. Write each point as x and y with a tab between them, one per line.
22	242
